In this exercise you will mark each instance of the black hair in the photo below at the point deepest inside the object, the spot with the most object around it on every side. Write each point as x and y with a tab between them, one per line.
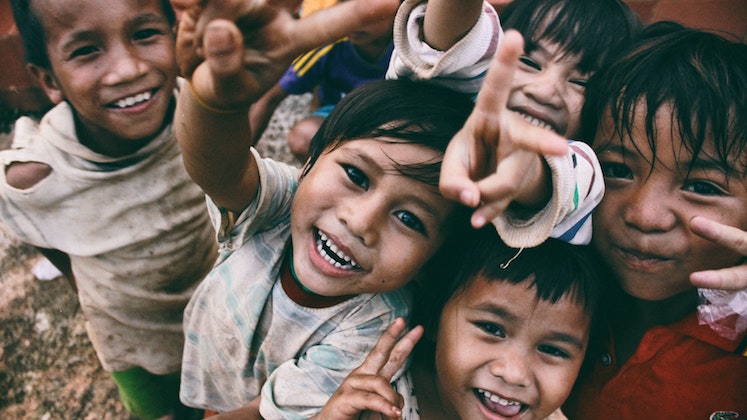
595	30
556	269
400	110
33	35
701	75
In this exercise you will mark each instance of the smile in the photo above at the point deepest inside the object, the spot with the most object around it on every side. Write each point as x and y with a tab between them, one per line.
332	254
501	406
133	100
536	121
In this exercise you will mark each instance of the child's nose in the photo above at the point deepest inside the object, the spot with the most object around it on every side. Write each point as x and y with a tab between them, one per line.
648	210
362	216
512	365
546	88
125	65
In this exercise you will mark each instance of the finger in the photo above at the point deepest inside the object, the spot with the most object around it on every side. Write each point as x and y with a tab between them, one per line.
355	404
525	136
727	236
379	356
496	87
221	82
733	278
335	22
401	352
459	164
223	50
499	190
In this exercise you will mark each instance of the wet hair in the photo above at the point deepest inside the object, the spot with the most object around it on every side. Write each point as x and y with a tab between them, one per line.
556	269
701	75
33	35
402	111
595	30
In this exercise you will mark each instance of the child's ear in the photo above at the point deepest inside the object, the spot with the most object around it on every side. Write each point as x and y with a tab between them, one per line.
46	80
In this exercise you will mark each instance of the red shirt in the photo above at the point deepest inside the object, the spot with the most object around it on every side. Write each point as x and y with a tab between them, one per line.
679	371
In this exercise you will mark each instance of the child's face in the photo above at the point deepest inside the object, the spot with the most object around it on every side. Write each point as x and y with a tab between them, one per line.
641	226
548	89
360	226
114	62
501	352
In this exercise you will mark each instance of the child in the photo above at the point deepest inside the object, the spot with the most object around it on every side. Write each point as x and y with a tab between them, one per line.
506	336
331	72
100	182
669	124
566	41
312	264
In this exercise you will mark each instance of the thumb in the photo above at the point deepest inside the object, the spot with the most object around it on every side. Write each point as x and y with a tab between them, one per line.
216	80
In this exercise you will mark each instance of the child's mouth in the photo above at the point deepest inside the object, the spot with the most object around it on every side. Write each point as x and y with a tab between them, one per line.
498	405
132	100
537	122
332	254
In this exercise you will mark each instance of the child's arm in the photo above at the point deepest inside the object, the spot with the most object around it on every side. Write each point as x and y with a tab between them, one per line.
262	110
228	67
457	57
447	21
368	387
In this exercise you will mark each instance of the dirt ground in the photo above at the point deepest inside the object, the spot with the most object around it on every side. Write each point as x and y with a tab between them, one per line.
48	369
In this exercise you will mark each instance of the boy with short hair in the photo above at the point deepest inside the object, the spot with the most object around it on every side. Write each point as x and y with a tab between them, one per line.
505	335
100	182
668	121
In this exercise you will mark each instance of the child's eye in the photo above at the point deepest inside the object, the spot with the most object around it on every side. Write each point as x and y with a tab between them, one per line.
84	51
553	351
356	176
491	328
580	82
526	60
143	34
411	221
703	188
615	170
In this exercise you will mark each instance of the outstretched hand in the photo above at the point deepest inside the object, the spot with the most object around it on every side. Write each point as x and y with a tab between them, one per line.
232	51
731	278
368	389
497	157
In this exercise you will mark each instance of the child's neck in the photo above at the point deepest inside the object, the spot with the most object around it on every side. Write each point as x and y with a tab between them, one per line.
298	293
633	317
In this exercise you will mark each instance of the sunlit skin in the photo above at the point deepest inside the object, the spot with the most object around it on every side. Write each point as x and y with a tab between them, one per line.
499	338
116	67
548	87
641	226
379	225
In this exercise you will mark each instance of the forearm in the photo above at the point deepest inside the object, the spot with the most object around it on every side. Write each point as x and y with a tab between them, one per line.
447	21
215	148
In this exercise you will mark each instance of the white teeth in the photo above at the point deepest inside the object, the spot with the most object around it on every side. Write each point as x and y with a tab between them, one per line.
535	121
498	400
323	242
132	100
